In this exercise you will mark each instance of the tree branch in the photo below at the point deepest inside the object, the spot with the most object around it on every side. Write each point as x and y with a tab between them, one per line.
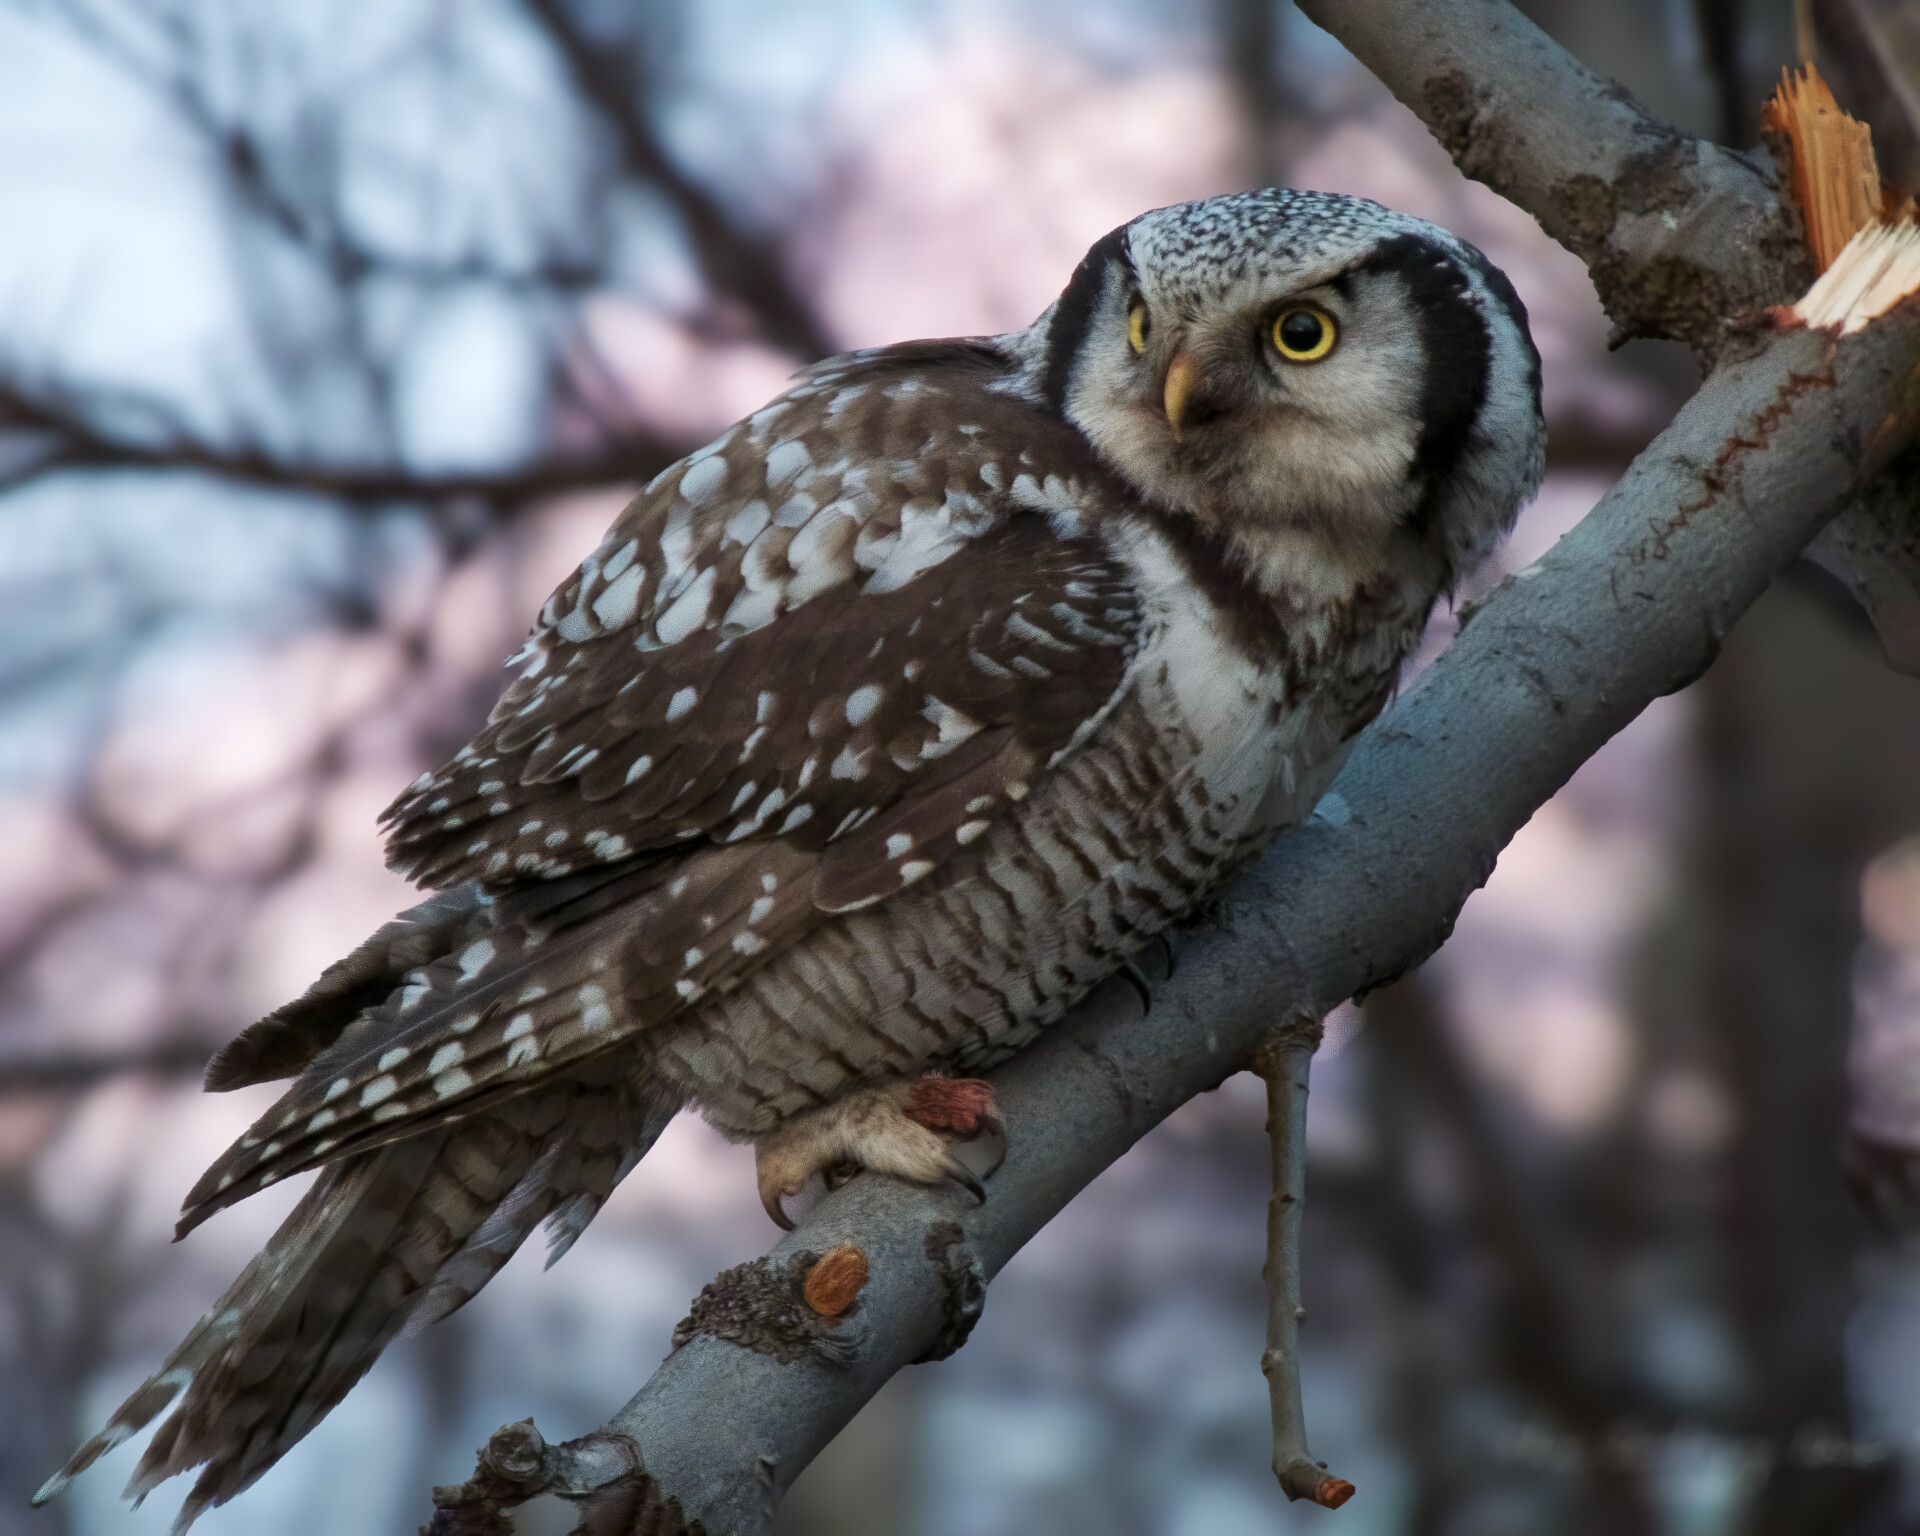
1684	239
65	1071
737	263
47	436
1629	606
1282	1064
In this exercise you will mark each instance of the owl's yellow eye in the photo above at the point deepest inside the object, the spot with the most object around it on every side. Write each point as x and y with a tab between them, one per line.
1137	327
1304	335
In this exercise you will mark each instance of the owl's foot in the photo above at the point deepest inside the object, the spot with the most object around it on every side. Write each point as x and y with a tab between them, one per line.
1165	940
902	1129
1129	971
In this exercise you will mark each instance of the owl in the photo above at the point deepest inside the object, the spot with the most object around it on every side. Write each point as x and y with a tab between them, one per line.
872	736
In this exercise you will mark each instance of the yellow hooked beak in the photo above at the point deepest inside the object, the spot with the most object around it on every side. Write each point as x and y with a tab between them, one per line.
1181	373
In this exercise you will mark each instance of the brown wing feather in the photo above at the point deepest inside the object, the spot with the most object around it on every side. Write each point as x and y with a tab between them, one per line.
779	633
287	1039
513	1007
804	668
826	760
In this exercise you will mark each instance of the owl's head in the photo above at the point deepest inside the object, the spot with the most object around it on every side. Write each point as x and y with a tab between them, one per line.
1324	384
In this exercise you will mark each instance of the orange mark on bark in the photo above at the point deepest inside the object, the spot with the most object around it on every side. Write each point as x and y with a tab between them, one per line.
835	1280
1332	1492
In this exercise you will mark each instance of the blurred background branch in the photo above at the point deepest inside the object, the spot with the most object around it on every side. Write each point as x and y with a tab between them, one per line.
740	265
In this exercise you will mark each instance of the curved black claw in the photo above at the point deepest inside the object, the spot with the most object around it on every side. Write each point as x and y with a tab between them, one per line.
770	1203
960	1173
996	1127
1132	974
1165	941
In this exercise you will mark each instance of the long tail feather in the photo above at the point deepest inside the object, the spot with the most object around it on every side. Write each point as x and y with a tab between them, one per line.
286	1040
389	1239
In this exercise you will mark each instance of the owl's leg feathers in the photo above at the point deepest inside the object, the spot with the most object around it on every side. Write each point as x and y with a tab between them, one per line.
902	1128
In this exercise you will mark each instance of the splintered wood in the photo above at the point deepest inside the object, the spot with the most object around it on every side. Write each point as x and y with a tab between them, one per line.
1865	243
1835	180
1878	268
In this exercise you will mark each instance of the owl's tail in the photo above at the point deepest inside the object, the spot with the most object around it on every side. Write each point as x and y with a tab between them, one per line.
388	1239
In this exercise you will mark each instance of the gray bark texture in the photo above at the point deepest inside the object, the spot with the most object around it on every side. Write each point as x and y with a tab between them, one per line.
1789	429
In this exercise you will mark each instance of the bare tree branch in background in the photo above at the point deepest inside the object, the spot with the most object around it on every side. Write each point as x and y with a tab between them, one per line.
739	264
75	1070
1542	1295
48	436
177	76
46	427
1248	30
1718	24
1687	241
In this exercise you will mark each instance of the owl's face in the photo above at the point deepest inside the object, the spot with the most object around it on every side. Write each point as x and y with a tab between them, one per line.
1315	378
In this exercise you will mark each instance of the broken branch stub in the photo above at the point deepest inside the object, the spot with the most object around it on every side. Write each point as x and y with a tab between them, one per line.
601	1474
1868	253
1835	179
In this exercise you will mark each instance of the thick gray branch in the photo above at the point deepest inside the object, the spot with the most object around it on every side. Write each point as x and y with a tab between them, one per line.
43	436
1631	605
1683	238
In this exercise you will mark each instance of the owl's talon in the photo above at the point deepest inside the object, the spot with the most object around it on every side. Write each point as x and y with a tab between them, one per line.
903	1128
962	1175
770	1203
1165	941
1135	978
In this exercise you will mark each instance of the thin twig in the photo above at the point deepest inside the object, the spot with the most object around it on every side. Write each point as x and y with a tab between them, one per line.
738	263
69	1070
1282	1063
65	439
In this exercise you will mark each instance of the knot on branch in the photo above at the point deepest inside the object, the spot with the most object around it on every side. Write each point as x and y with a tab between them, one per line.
963	1288
835	1282
1682	239
1452	110
790	1309
602	1473
1298	1031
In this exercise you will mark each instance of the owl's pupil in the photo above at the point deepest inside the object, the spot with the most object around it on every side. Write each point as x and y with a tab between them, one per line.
1300	331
